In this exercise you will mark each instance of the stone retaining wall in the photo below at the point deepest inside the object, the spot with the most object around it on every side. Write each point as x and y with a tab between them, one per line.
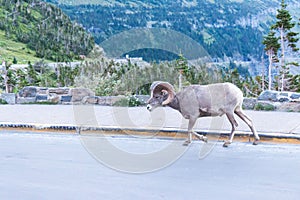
62	95
276	96
271	100
274	100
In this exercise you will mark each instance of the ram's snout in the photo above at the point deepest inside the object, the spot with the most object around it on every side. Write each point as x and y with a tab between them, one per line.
149	107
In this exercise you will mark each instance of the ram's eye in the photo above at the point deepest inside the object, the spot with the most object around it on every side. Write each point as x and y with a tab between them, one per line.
156	97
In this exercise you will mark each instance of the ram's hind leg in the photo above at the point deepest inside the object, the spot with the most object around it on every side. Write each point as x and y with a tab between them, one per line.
233	125
248	121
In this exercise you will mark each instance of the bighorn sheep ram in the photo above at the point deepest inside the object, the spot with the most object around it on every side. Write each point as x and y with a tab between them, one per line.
197	101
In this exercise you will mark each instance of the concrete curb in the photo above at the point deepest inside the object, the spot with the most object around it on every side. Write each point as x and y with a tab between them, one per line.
166	132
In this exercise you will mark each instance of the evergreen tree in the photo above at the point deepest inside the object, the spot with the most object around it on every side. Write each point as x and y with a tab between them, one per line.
294	81
21	79
15	61
66	75
11	82
271	47
181	64
288	38
5	75
32	75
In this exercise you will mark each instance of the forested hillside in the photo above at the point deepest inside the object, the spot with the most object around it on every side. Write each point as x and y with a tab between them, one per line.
45	29
223	27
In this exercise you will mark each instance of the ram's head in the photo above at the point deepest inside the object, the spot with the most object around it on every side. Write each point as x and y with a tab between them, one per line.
162	93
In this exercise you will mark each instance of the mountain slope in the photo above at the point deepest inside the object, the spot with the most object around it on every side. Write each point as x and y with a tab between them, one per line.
11	50
234	28
44	28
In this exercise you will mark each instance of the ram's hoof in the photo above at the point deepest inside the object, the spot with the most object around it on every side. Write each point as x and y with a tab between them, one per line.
256	142
205	139
226	144
186	143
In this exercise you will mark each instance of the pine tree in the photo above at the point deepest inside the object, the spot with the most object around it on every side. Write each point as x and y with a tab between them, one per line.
15	61
181	64
21	79
32	75
288	38
271	47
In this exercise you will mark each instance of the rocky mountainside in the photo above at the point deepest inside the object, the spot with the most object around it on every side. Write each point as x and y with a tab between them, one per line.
231	28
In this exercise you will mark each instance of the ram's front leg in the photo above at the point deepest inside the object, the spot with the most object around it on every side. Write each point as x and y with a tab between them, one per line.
189	140
200	137
190	131
192	122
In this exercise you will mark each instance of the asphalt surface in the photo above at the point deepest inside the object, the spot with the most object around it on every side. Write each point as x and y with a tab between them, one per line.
36	165
63	166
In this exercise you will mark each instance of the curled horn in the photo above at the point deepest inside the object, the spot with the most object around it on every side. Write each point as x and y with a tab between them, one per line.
153	85
159	87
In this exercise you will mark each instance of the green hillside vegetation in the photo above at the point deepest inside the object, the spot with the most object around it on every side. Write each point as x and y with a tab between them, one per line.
10	50
47	32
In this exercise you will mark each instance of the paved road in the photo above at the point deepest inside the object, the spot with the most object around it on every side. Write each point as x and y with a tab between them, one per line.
58	166
105	116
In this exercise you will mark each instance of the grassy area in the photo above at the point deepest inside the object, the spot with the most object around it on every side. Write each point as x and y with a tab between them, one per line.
10	49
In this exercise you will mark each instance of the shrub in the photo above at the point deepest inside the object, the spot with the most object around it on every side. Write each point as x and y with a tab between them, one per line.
130	101
2	101
107	86
266	107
